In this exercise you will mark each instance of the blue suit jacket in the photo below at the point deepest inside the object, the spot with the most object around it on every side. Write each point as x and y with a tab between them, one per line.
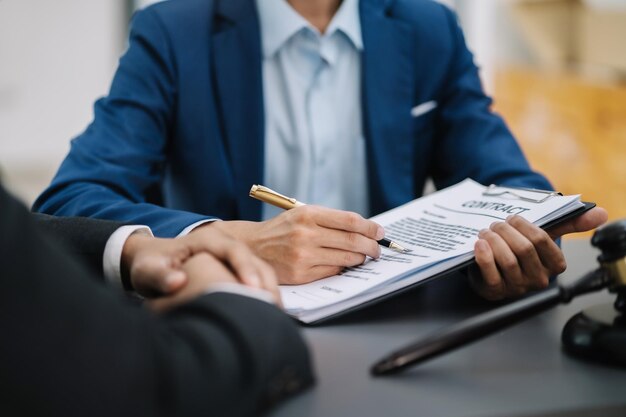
181	134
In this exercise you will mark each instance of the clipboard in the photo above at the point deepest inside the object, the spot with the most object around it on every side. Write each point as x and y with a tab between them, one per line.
514	192
529	195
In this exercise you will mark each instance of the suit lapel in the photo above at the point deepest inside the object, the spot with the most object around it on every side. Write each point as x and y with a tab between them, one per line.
388	94
238	81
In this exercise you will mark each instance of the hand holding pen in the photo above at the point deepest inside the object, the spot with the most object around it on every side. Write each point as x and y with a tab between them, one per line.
308	243
267	195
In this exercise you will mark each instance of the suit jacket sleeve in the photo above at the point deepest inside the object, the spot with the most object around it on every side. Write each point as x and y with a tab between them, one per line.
85	238
70	347
116	167
473	141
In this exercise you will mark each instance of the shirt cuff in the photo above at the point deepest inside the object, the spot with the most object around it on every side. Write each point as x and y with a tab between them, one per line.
112	257
191	227
240	289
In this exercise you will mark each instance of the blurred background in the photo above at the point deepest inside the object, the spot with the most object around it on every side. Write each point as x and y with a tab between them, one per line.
556	68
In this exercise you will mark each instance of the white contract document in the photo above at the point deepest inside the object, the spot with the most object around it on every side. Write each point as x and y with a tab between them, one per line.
439	230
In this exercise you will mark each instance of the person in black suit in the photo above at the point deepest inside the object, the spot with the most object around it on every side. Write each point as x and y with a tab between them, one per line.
72	347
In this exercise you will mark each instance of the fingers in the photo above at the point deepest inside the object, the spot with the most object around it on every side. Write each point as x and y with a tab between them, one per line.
341	230
249	269
154	274
549	253
533	273
204	271
344	220
486	263
334	261
505	260
516	256
586	221
349	242
243	263
269	281
340	258
306	269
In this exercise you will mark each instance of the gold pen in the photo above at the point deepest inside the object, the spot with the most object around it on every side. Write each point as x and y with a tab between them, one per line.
267	195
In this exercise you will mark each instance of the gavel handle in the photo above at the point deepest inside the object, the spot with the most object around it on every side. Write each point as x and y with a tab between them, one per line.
488	323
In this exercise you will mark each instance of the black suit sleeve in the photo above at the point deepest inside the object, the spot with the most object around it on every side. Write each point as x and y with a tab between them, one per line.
84	237
71	347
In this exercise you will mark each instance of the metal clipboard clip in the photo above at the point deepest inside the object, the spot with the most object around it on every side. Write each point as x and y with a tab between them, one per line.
517	192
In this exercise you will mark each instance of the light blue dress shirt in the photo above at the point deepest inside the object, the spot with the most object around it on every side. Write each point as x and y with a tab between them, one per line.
314	145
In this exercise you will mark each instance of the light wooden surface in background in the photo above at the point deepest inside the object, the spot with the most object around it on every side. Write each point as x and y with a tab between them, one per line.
573	130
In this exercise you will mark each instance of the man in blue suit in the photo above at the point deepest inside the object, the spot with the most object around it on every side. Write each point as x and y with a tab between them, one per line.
345	104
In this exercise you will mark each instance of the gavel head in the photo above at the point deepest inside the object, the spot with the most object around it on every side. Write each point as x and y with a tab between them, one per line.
611	240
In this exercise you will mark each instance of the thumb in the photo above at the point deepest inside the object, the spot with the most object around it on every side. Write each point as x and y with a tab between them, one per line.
585	222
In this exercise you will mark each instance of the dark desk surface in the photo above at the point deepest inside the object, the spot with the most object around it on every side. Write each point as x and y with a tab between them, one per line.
518	372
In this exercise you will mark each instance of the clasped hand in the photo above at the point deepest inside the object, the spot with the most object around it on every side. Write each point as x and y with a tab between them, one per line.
177	270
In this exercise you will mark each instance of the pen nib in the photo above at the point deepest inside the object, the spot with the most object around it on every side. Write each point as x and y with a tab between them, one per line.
398	248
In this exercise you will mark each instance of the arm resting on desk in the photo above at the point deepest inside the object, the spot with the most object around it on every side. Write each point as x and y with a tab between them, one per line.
71	347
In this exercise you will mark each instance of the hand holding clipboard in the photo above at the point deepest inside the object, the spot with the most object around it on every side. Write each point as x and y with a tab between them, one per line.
516	256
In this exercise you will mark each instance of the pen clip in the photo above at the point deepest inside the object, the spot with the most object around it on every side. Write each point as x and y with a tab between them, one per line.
267	195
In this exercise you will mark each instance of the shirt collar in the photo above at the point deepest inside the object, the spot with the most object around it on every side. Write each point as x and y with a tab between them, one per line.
348	20
279	22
